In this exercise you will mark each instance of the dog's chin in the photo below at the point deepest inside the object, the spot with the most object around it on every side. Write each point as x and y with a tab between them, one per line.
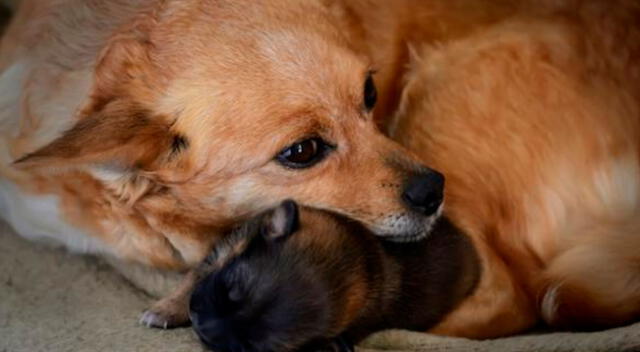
409	228
407	238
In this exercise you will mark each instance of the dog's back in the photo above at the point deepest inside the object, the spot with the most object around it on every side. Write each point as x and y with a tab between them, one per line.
536	124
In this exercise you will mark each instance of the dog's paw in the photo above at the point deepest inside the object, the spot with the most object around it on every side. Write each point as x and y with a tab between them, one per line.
549	304
165	315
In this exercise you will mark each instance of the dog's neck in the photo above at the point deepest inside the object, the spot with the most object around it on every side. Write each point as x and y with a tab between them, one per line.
390	39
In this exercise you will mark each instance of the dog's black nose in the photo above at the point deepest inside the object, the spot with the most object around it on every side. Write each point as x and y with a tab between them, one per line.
424	192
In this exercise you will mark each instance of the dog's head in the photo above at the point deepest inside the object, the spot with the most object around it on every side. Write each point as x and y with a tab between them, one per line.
213	111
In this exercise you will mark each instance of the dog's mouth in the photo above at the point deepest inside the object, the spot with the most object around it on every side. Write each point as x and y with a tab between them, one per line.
408	238
407	227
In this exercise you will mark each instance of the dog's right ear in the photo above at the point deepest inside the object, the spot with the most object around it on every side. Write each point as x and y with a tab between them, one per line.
282	222
116	128
119	137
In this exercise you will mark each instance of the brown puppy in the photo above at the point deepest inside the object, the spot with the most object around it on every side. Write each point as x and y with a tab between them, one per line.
296	279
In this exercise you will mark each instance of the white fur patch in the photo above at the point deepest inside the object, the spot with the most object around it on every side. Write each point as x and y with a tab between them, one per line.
617	186
38	218
572	205
407	227
549	306
11	81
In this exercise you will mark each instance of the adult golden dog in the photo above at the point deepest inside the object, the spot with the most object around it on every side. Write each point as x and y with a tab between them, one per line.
144	128
154	125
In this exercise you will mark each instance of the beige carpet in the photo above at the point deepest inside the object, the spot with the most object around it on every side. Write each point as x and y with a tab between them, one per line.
51	300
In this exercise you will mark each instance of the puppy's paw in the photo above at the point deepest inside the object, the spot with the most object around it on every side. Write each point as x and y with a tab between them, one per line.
166	314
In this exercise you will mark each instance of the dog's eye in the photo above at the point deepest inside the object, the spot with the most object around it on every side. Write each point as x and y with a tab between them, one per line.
370	93
304	153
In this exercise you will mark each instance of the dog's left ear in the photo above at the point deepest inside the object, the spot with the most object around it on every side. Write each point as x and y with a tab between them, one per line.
282	222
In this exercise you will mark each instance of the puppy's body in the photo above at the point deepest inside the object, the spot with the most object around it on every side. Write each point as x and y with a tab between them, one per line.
285	283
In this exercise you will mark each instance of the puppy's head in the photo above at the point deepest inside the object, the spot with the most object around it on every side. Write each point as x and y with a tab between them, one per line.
275	288
208	112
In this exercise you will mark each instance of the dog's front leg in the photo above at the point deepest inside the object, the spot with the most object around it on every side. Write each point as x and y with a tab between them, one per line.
173	310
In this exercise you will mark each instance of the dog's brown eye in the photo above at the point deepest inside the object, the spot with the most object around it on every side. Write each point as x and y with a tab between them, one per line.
370	93
304	153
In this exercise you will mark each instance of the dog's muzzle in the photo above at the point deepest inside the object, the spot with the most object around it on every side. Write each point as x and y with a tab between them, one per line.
407	226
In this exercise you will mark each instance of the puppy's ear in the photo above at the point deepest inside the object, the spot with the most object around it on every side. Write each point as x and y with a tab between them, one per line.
282	222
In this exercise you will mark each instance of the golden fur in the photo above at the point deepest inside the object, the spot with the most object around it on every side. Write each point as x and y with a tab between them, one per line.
173	138
530	109
535	123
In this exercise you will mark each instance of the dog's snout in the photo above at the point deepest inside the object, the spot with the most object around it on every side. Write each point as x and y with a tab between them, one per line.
424	192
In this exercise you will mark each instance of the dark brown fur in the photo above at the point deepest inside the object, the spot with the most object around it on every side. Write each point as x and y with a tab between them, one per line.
330	278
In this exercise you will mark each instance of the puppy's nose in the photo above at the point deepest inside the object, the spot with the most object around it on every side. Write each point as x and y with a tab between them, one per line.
424	192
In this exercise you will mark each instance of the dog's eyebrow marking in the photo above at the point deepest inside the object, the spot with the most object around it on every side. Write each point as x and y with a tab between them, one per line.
178	144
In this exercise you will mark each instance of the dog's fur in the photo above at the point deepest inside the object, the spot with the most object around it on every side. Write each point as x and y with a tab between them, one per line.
173	138
530	109
536	124
292	278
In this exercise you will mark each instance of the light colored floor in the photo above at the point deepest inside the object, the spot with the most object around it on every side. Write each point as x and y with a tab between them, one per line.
51	300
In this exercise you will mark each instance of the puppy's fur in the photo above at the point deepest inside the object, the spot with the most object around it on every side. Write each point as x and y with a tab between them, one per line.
291	279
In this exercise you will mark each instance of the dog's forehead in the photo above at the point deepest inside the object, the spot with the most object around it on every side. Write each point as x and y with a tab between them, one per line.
257	49
294	76
278	76
278	64
292	55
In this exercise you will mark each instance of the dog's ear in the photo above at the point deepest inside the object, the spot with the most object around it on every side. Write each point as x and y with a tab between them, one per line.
119	136
116	127
282	222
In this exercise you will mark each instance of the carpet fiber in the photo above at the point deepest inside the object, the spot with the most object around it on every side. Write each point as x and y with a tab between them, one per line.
51	300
